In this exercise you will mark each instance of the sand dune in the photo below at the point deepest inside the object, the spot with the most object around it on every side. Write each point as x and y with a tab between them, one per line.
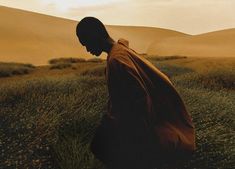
213	44
36	38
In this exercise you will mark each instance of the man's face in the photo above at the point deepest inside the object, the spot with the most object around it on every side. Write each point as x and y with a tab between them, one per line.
93	46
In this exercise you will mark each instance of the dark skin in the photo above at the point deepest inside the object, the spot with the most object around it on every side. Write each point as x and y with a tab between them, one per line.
96	45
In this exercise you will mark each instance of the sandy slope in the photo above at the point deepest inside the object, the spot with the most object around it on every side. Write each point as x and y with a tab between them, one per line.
216	44
35	38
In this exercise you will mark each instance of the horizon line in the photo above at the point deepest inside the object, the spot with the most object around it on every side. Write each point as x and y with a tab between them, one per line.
142	26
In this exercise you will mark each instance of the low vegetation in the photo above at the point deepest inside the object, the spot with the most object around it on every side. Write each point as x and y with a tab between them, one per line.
218	79
60	65
210	73
96	71
10	69
73	60
48	122
66	60
164	58
96	60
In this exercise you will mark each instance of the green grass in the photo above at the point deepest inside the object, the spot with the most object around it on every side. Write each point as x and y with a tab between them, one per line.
49	121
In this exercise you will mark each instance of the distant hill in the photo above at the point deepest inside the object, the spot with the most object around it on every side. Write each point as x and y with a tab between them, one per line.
35	38
216	44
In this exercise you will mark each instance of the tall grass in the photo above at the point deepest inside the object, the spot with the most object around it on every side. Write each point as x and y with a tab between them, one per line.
95	71
212	108
218	79
49	122
37	114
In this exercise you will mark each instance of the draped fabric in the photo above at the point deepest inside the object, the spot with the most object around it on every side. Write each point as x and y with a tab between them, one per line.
146	116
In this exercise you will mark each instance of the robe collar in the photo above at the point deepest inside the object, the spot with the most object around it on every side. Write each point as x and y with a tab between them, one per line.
120	41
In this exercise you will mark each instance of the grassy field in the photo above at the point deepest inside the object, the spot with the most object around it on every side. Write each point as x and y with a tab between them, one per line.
48	117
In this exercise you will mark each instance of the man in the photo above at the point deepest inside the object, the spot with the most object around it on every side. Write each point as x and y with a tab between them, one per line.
147	122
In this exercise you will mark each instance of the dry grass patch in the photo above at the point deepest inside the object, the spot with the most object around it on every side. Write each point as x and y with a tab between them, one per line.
10	69
66	60
60	65
95	60
53	127
164	58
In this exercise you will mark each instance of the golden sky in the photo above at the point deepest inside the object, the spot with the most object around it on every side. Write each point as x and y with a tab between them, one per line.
188	16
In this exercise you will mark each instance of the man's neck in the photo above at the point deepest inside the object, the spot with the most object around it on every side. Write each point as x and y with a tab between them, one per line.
108	45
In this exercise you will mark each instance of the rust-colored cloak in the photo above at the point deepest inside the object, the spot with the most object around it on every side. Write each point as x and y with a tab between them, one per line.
134	83
144	106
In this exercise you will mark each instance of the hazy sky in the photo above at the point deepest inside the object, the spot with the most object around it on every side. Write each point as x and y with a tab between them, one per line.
189	16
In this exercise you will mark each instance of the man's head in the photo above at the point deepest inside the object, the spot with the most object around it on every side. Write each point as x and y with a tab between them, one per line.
92	34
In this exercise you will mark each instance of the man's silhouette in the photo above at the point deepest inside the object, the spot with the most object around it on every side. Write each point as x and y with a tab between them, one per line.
147	122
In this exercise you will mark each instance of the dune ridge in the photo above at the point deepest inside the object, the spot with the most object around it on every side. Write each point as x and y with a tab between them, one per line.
212	44
30	37
35	38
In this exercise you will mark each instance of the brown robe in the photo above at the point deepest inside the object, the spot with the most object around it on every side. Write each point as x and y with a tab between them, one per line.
145	112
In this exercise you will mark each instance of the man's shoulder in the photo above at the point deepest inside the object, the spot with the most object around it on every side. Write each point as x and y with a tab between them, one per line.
118	51
118	55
